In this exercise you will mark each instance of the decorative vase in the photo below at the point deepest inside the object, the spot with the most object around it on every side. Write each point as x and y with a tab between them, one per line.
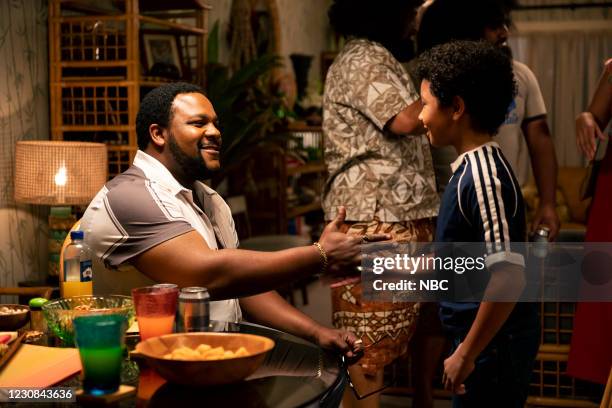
301	66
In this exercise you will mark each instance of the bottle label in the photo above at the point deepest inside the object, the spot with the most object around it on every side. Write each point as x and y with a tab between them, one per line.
86	271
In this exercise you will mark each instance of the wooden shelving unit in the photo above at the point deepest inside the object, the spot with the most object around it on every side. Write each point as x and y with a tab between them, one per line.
310	174
314	167
274	189
96	73
303	209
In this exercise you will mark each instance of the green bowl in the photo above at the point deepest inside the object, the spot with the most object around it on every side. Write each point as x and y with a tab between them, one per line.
59	313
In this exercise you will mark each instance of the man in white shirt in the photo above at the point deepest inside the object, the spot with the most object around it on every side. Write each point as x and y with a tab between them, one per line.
157	223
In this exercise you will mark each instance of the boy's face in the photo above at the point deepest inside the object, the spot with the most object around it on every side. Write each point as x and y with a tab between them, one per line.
438	120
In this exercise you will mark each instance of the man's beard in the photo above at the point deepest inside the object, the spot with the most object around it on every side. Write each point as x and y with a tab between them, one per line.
506	50
190	166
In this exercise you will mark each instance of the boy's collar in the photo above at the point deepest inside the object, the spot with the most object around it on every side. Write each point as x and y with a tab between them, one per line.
455	165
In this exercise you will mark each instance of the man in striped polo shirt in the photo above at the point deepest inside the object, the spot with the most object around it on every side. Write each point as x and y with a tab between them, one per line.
157	222
466	89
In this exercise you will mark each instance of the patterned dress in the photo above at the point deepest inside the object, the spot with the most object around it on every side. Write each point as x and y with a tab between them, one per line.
385	181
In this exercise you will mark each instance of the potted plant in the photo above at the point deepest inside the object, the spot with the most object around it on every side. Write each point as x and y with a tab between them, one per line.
251	111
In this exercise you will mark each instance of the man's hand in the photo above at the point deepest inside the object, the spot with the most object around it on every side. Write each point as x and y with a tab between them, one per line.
341	341
343	251
587	132
456	369
547	215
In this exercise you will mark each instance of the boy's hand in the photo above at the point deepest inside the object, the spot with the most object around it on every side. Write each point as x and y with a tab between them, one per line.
456	369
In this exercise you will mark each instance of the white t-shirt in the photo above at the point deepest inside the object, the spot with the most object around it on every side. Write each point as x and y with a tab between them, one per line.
527	105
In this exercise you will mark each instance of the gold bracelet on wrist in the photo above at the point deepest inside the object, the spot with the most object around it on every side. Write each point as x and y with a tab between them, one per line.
323	257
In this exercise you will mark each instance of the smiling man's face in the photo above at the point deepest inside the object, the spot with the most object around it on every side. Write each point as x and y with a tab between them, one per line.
194	139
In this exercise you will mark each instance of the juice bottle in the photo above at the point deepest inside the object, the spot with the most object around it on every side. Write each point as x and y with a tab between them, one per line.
77	279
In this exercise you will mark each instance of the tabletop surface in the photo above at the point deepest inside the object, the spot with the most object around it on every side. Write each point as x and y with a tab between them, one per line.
295	373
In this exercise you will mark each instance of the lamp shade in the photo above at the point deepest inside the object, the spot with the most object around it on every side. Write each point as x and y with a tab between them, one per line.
59	173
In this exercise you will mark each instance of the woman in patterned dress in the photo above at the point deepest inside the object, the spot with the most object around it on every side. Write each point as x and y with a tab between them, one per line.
380	168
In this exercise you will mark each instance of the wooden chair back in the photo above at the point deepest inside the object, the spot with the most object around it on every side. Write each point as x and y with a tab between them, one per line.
606	401
35	291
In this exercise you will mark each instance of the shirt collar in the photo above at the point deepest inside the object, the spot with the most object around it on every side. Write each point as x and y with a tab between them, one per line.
207	190
157	172
455	165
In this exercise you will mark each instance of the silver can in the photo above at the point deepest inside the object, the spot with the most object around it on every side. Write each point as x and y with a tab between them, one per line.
540	241
193	310
541	234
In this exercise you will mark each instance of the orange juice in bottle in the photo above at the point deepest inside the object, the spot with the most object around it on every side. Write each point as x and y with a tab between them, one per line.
77	277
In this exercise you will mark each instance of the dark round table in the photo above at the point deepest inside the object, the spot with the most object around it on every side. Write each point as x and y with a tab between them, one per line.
295	373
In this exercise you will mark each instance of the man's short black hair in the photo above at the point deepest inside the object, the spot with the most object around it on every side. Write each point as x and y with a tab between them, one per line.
384	22
156	108
447	20
476	71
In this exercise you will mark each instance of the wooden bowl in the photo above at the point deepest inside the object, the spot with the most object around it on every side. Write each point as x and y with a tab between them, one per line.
10	322
205	372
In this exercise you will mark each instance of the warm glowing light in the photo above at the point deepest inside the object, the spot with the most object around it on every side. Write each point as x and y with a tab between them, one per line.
61	177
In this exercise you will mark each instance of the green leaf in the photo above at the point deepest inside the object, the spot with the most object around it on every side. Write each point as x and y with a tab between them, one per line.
248	107
213	44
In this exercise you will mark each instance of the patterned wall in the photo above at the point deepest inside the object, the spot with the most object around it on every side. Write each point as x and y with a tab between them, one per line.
24	114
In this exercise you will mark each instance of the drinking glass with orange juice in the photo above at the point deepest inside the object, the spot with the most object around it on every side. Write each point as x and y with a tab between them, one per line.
155	310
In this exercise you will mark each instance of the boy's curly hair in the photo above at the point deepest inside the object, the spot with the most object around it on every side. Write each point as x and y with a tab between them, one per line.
476	71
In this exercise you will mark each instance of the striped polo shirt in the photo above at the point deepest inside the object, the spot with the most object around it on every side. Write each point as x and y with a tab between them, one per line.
144	207
482	203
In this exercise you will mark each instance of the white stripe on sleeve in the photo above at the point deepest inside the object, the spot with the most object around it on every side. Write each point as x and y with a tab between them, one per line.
498	192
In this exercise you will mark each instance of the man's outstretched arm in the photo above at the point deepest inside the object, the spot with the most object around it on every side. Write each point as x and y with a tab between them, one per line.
270	309
186	260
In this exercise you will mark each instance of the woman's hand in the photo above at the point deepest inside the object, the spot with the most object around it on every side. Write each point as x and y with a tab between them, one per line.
587	131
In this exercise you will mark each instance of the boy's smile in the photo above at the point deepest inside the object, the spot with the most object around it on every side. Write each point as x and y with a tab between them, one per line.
436	119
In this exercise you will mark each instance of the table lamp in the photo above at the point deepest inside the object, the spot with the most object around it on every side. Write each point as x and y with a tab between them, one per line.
57	174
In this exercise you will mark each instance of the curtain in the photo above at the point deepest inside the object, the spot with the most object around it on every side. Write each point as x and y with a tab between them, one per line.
560	14
24	114
567	58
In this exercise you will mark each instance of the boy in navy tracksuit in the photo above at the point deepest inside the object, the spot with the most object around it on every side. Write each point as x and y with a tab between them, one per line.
466	89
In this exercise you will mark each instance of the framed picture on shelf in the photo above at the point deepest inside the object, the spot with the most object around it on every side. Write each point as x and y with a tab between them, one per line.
162	56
